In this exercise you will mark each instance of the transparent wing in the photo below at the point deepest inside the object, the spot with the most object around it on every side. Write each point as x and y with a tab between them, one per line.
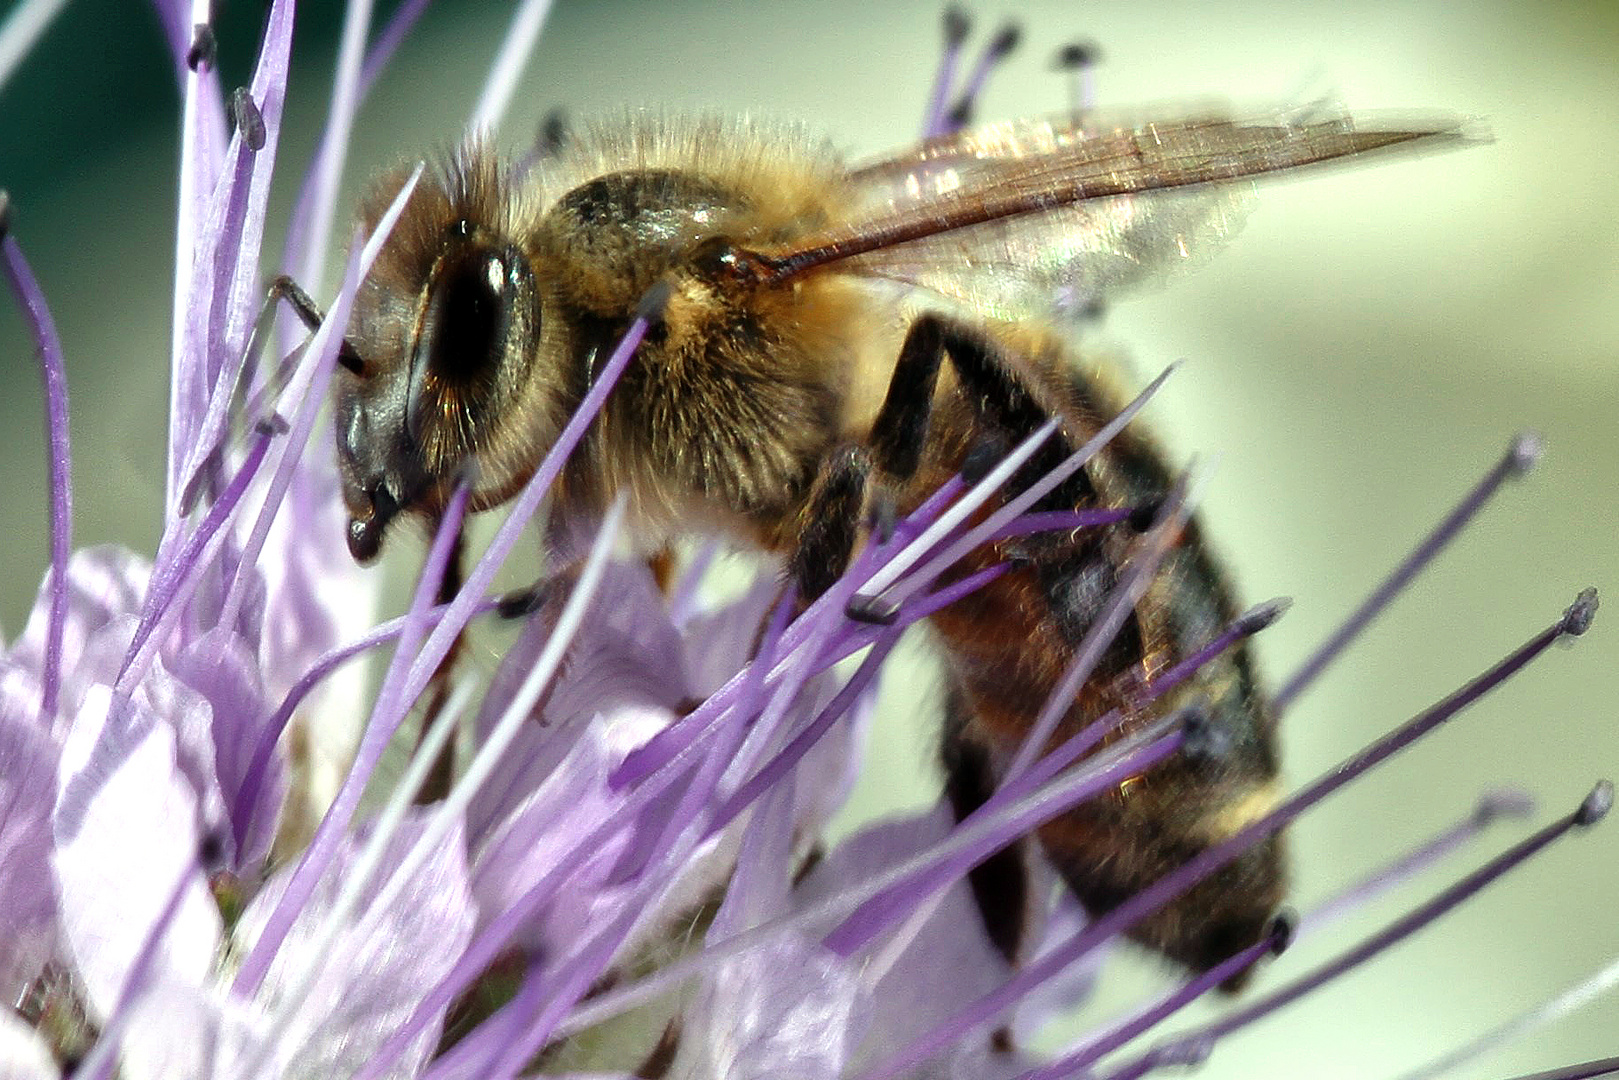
1027	217
1061	262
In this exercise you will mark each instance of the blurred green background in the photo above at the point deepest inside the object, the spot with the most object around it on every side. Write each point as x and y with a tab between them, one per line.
1361	354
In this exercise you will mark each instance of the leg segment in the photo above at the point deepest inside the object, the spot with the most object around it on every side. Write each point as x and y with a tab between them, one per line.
1000	884
1004	398
831	522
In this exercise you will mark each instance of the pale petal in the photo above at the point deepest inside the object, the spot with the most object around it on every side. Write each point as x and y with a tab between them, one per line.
125	825
23	1054
178	1032
367	984
27	890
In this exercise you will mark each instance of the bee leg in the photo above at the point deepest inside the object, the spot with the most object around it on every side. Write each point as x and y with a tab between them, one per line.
310	314
1005	399
830	523
1000	884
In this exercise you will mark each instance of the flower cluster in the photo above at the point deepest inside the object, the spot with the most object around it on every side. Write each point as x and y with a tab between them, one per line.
627	873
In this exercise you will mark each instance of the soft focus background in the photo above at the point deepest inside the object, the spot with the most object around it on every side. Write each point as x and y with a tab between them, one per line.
1362	353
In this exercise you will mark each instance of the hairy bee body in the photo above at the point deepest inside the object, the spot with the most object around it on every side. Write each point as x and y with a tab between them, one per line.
796	288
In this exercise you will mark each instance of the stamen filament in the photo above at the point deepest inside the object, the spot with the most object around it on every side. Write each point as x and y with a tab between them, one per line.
1574	997
1180	880
509	63
1493	807
1518	460
1591	810
59	460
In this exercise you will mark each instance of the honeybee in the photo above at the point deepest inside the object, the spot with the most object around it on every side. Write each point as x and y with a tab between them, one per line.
832	344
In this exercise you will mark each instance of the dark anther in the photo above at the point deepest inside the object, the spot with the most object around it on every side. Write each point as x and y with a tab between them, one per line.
1577	619
1006	39
521	603
272	425
655	301
1142	517
1077	54
5	213
1000	1041
1203	740
956	26
460	227
249	121
1260	616
1502	804
981	457
1283	925
1525	450
210	851
1596	805
204	47
553	131
872	609
883	516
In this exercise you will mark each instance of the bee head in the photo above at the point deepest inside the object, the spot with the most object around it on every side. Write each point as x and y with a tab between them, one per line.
446	330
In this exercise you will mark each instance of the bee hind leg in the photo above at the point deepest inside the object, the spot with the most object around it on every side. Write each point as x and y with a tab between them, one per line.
1000	884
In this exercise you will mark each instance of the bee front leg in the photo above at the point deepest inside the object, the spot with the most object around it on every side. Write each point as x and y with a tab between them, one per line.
830	522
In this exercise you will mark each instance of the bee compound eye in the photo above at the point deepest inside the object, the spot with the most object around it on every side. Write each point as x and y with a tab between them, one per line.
469	318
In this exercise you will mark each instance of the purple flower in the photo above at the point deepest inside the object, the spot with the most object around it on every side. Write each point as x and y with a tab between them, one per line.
629	872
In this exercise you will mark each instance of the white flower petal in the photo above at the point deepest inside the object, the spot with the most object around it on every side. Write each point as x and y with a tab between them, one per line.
368	984
126	830
180	1032
23	1054
27	890
947	964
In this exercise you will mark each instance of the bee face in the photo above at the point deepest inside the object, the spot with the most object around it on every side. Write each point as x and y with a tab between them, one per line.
449	329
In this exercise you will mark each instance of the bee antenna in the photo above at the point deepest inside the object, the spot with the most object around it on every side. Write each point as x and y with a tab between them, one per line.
310	314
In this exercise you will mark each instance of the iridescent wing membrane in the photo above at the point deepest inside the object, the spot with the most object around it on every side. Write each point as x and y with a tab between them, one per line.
1026	218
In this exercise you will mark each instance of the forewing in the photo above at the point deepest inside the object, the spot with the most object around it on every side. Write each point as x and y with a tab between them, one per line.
1029	217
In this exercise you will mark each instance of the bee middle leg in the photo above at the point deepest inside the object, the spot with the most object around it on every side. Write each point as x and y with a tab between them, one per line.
861	482
1008	403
